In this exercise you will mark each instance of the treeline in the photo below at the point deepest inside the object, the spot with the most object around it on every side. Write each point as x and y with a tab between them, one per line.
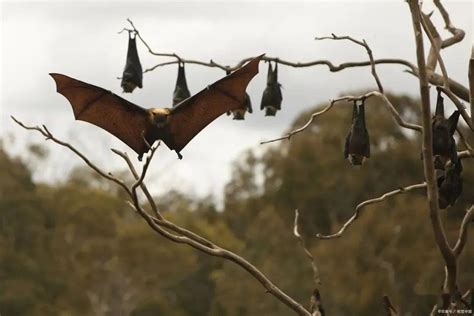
76	247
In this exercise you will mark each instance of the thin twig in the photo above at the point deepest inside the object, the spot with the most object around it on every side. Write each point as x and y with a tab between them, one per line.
361	206
46	133
391	311
393	111
458	34
309	255
364	44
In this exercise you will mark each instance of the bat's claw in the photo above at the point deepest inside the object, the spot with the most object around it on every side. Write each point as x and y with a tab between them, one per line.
179	155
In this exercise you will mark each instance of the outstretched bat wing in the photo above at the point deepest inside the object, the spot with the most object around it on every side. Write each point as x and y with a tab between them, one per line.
192	115
104	109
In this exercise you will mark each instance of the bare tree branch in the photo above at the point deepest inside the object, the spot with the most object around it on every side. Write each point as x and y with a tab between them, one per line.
391	311
187	237
458	34
463	232
364	44
435	40
457	88
427	149
309	255
362	205
396	115
46	133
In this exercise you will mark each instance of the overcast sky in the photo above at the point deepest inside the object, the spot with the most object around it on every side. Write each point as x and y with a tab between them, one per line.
80	39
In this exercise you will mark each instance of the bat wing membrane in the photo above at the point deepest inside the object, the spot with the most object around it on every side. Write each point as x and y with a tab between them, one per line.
193	114
106	110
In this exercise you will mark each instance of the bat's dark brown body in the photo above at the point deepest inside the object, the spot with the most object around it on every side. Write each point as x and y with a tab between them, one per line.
444	145
174	126
132	74
272	97
357	145
181	91
450	184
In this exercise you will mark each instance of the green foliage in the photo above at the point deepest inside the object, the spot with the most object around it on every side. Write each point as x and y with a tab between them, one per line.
77	248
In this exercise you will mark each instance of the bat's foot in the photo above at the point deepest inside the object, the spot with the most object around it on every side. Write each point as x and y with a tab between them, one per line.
140	157
179	156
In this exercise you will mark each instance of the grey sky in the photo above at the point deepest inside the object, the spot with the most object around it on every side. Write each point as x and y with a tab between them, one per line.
80	39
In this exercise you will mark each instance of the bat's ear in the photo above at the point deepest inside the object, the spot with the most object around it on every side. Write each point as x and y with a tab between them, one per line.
270	72
354	110
453	122
439	104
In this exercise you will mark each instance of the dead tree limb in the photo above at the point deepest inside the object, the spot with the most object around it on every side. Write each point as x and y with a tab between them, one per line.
427	149
361	206
162	226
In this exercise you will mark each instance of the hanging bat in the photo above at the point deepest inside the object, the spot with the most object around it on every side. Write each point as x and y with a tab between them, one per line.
181	91
444	145
138	127
357	145
272	97
450	185
239	113
132	74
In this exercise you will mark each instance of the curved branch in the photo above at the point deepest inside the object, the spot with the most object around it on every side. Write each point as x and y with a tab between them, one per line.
458	34
364	44
46	133
435	54
361	206
393	111
463	232
309	255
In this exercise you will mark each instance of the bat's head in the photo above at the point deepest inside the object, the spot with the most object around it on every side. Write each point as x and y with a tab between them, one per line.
159	116
356	160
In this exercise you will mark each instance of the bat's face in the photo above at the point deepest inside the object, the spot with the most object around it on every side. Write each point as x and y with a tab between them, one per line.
159	117
239	114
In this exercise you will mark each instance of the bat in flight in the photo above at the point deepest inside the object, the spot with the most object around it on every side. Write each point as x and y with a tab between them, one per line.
138	127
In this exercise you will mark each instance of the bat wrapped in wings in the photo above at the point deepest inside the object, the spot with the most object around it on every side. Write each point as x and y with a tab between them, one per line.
138	127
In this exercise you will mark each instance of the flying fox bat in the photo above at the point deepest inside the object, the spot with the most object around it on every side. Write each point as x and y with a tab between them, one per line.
272	97
444	145
450	184
239	113
357	146
181	91
138	127
132	74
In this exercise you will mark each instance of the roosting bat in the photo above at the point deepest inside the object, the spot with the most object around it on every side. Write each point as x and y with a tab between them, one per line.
272	97
444	145
239	113
181	91
139	128
357	145
132	74
450	184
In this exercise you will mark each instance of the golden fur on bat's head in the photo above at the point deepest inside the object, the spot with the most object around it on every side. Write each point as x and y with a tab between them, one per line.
159	117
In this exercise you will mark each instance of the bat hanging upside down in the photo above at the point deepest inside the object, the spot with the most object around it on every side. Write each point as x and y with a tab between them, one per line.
139	128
